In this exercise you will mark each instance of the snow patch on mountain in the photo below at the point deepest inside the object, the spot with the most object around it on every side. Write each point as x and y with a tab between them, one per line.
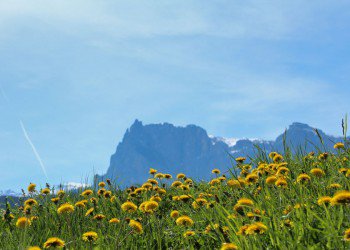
72	186
9	192
228	141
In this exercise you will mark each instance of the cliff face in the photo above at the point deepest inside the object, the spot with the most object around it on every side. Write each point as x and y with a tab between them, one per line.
190	150
167	148
302	135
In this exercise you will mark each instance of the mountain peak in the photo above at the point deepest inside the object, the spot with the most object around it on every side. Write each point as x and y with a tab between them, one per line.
137	124
189	149
300	125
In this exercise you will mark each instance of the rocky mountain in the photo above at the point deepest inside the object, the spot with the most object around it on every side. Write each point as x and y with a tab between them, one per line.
9	192
190	150
11	196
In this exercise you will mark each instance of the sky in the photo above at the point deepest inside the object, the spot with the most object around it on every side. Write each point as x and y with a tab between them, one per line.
74	75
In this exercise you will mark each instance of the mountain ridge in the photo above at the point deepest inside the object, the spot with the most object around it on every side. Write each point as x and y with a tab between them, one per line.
190	149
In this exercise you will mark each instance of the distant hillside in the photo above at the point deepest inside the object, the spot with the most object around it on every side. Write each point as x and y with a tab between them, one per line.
11	199
190	150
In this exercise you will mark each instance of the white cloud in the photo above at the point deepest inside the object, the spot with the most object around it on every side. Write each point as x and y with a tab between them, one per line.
259	19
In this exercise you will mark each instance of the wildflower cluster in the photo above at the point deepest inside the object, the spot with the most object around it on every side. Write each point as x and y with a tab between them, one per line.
270	202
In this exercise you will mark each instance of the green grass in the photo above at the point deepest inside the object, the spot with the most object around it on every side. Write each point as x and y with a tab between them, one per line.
310	225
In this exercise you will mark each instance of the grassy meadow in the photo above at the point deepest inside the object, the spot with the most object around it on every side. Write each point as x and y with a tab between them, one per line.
272	201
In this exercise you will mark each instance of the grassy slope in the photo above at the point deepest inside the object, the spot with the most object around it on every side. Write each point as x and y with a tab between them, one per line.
293	218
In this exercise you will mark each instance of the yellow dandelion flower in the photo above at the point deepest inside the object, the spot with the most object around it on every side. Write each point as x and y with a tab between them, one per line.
136	226
298	205
208	229
180	176
214	182
90	236
287	223
90	212
55	200
101	184
114	221
185	197
342	197
31	187
33	218
129	207
152	171
101	191
147	185
247	167
161	191
159	176
142	206
93	200
256	228
61	193
87	192
153	181
176	184
80	204
245	202
199	202
288	209
228	246
233	183
334	186
243	230
168	176
184	221
317	172
140	190
282	164
347	235
271	180
155	198
272	154
283	171
323	156
151	206
54	242
251	178
339	145
113	199
281	182
34	248
277	158
65	209
107	194
175	198
240	159
174	214
99	217
343	170
189	234
23	222
188	181
215	171
303	178
324	200
45	191
27	209
30	202
222	178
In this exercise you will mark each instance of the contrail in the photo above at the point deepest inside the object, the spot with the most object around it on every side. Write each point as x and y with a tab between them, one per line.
25	134
34	149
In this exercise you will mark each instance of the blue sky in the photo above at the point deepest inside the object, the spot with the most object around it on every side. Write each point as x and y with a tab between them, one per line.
78	73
